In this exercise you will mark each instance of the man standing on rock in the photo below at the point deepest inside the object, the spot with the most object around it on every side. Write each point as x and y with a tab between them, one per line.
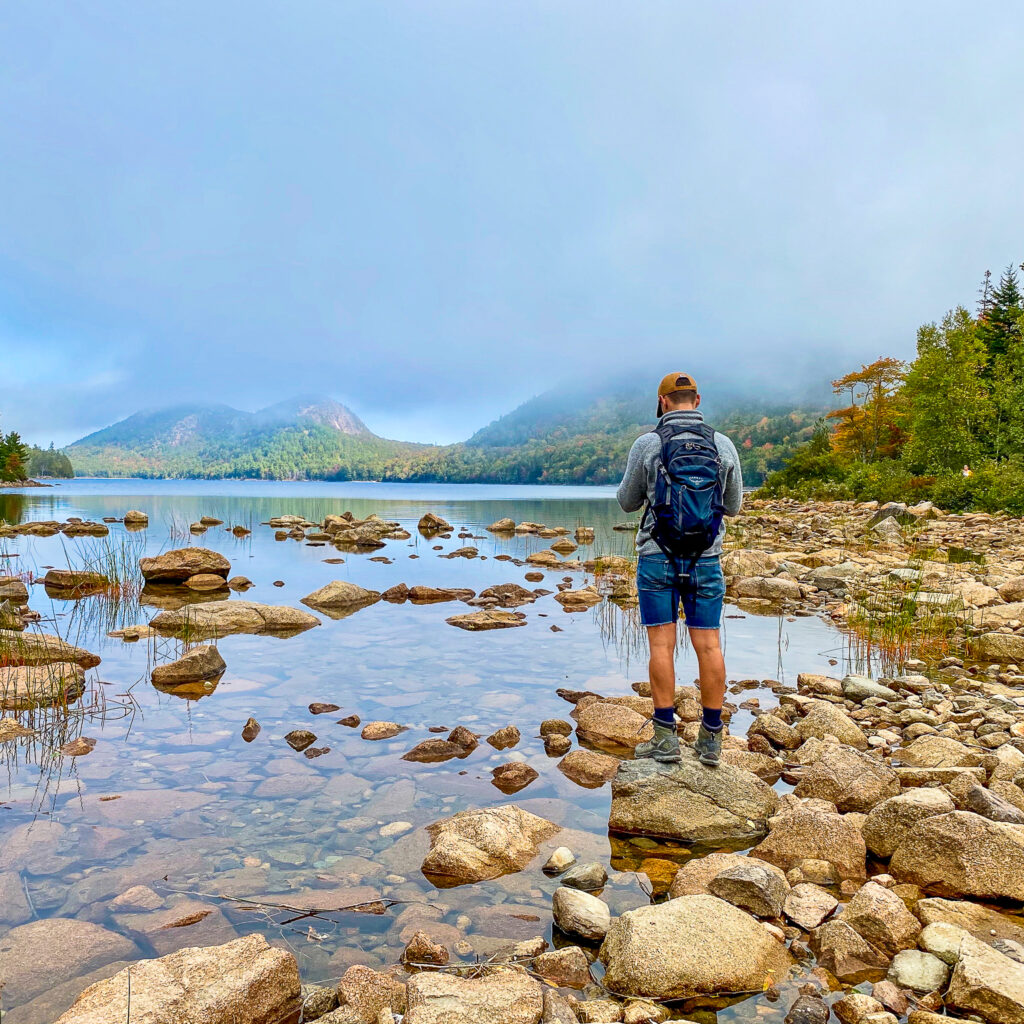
688	475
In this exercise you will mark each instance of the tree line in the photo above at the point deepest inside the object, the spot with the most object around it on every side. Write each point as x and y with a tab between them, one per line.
947	426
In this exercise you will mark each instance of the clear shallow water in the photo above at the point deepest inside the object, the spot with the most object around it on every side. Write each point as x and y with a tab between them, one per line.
200	811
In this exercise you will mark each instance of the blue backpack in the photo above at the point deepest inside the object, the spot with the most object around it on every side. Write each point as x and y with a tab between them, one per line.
687	507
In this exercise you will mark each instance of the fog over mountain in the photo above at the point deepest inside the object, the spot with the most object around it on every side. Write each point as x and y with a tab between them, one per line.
434	212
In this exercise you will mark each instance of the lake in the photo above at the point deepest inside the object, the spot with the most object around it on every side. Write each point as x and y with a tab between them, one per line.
173	799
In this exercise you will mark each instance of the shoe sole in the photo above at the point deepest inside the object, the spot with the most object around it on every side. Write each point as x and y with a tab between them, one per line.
709	762
668	758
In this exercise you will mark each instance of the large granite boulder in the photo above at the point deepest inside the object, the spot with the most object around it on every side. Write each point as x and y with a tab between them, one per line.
1001	647
963	854
475	845
690	946
824	719
178	565
880	917
613	725
223	618
889	821
341	594
241	982
690	802
25	687
200	663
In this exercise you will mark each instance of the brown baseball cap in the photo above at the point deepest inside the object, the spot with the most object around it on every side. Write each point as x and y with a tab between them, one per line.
673	382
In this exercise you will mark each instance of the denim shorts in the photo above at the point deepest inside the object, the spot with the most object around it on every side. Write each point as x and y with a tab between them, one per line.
661	594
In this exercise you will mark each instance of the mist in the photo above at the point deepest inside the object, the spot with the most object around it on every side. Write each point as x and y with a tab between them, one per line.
433	212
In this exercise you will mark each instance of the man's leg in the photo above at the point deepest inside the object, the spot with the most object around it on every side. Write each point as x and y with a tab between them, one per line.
662	666
703	606
711	664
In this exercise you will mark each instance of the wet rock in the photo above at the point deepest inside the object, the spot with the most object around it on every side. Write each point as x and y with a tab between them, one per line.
178	565
512	777
990	805
849	779
963	854
318	708
13	588
73	582
694	877
42	954
431	523
25	687
250	730
420	949
860	688
31	648
505	997
881	918
475	845
381	730
567	967
223	618
240	583
555	744
988	984
805	834
317	1001
588	768
768	769
589	876
689	801
855	1007
889	822
504	738
578	600
299	739
434	751
690	946
436	595
352	721
559	860
78	747
580	914
982	922
768	588
808	906
396	594
808	1009
509	595
752	887
599	1011
341	594
777	731
1001	647
202	662
133	517
463	737
556	726
487	619
504	525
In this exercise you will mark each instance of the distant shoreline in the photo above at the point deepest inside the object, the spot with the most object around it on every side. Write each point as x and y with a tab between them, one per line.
12	484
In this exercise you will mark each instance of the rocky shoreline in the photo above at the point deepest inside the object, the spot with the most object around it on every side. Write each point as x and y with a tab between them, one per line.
858	856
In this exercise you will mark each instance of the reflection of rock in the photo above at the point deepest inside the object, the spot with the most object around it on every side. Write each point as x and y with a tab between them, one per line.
240	982
42	954
25	687
11	729
205	581
689	801
202	621
178	565
689	946
203	662
170	597
30	648
477	621
78	747
341	595
478	844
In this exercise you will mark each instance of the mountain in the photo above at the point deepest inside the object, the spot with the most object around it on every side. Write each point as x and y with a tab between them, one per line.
580	433
306	437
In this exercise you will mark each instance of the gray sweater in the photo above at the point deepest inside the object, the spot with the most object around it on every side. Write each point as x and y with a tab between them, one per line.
638	481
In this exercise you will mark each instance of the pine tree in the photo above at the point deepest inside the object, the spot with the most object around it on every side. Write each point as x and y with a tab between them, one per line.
999	327
985	296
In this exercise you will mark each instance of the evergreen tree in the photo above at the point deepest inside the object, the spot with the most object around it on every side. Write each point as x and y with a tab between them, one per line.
999	326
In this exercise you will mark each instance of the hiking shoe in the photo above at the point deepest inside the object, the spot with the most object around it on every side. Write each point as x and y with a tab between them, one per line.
709	747
664	746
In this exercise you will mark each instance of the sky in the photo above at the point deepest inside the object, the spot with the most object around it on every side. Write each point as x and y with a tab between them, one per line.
433	211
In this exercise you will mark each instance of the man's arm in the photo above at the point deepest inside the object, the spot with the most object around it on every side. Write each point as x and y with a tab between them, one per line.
732	496
632	491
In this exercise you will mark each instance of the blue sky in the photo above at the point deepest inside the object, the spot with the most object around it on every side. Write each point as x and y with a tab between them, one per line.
433	211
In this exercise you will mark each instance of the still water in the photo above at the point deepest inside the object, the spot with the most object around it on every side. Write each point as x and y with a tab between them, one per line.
199	813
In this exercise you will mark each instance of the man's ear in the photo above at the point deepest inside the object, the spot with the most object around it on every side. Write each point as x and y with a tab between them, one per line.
696	404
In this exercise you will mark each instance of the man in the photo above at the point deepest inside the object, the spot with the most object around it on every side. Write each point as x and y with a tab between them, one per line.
661	590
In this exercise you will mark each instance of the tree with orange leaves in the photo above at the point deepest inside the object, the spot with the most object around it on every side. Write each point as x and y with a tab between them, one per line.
867	429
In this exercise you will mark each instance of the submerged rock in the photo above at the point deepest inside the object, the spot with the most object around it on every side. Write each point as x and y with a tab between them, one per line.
75	582
209	621
341	594
690	946
475	845
31	648
689	801
487	619
504	997
241	982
